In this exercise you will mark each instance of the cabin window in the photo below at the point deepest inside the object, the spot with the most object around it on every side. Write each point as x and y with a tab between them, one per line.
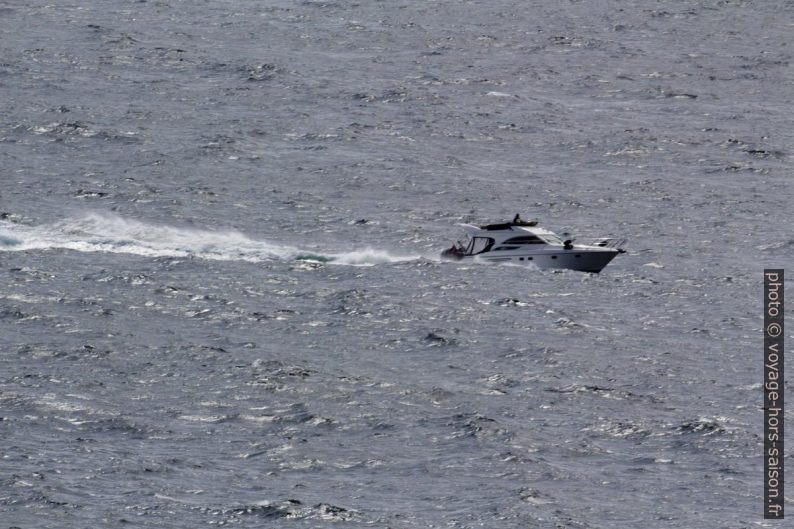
525	239
500	248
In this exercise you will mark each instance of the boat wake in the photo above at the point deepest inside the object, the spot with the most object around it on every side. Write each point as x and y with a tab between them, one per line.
95	232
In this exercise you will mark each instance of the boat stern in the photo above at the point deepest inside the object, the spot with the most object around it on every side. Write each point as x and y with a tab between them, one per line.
452	253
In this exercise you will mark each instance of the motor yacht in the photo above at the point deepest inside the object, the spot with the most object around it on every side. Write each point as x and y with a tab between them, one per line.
527	243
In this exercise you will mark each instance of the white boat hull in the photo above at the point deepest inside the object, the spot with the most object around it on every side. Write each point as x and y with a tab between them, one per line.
582	260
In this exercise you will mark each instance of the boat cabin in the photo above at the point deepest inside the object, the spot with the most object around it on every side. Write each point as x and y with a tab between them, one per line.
502	237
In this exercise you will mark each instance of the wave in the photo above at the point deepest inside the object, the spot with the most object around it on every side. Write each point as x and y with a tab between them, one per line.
100	232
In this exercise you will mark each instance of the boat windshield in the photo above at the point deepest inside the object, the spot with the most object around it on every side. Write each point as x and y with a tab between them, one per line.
552	239
480	245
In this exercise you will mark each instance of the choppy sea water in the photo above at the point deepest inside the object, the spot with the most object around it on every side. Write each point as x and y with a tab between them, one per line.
221	302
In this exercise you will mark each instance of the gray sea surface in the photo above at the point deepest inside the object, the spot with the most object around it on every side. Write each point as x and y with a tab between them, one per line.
221	301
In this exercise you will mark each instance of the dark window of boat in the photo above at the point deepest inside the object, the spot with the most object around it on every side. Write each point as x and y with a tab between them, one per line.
525	239
505	248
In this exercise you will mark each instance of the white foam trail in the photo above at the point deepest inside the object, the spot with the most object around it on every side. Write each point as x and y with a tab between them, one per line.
369	256
95	232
